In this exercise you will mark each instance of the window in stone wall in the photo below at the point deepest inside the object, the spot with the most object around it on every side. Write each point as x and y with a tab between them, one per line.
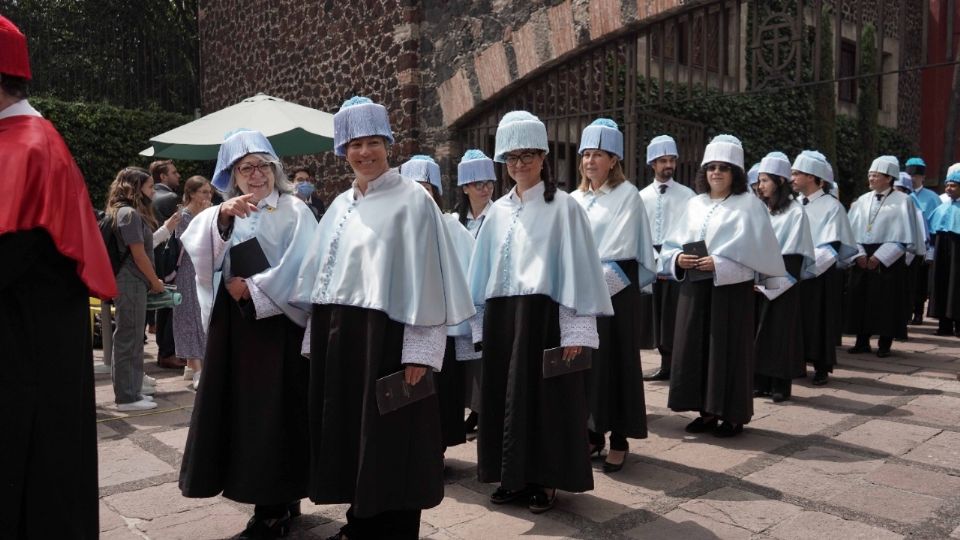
847	89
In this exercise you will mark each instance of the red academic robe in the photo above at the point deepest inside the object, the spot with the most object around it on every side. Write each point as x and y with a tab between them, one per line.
43	188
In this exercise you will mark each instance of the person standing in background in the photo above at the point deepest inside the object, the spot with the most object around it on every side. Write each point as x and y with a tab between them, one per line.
166	182
664	200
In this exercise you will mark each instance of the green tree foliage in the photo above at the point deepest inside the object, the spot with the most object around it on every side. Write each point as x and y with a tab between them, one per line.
825	95
103	139
130	54
867	104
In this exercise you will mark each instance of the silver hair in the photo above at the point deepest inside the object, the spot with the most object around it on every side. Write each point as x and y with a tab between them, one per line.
281	182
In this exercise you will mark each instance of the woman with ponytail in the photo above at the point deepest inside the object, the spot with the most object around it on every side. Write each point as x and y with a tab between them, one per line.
536	281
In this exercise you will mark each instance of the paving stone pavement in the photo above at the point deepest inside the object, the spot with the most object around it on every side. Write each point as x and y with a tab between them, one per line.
875	454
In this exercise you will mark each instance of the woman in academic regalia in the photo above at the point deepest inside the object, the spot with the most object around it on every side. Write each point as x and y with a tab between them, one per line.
945	293
451	380
884	224
779	344
622	235
822	291
536	278
713	351
384	284
477	179
248	435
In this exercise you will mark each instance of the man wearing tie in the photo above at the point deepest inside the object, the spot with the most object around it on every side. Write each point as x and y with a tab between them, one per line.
665	200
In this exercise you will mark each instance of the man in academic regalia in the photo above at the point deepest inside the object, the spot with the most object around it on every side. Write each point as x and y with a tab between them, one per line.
945	292
53	260
664	200
884	223
833	242
926	200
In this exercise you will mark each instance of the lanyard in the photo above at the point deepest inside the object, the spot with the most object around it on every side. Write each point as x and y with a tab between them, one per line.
706	220
874	213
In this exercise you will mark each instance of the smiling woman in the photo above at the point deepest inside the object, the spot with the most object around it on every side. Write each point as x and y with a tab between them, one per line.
254	384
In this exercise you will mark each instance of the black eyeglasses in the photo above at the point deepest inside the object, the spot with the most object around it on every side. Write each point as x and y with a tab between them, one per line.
526	158
719	167
247	169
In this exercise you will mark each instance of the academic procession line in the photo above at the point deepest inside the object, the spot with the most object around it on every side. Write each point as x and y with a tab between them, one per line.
531	309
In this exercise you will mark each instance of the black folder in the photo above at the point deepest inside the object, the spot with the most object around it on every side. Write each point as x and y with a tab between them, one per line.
699	249
554	365
393	392
247	259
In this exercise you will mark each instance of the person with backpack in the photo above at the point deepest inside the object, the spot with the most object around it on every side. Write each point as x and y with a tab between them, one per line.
131	221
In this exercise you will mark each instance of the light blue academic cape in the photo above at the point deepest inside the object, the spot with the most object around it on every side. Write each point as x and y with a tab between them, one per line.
620	228
388	251
829	223
736	228
946	218
792	229
284	227
529	246
894	220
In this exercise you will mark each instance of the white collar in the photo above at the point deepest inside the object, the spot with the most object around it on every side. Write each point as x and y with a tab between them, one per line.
20	108
482	212
814	196
378	183
657	183
536	191
271	201
883	193
602	190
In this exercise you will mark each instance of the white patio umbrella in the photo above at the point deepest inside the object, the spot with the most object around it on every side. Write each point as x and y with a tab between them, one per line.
293	130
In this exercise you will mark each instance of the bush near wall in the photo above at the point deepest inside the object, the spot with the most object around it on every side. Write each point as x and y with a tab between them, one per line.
784	121
104	138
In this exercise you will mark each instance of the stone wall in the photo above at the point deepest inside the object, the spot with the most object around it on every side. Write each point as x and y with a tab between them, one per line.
316	54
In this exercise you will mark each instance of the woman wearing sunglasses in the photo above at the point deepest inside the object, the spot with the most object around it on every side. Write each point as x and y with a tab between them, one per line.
719	245
248	435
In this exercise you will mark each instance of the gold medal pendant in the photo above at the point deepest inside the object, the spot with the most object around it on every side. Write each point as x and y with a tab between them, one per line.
870	227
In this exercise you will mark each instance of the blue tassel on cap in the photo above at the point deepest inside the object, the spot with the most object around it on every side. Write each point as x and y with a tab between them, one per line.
475	166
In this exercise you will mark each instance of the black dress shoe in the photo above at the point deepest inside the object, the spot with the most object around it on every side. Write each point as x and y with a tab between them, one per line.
820	378
859	349
883	353
658	374
259	528
778	397
916	320
701	424
294	509
728	429
503	496
540	501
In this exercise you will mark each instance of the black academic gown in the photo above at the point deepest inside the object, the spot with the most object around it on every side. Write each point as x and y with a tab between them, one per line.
48	482
713	350
615	378
822	316
531	430
662	307
248	434
779	341
945	286
877	299
451	385
376	463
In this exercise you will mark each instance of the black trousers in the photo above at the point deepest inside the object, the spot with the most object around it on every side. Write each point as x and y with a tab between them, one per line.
165	344
389	525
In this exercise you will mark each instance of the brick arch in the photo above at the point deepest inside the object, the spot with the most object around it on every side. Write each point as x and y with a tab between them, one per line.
550	35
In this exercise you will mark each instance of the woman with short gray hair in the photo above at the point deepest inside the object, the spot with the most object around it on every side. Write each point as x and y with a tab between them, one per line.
248	436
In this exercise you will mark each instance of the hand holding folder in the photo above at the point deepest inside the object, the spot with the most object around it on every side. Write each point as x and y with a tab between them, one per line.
393	392
554	365
699	250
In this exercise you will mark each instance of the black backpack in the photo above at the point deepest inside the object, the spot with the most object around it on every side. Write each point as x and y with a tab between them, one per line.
111	239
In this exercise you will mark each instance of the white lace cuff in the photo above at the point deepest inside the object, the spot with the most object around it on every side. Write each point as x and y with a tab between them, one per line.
773	287
578	331
262	303
728	272
476	325
465	349
305	345
825	257
219	246
424	345
616	279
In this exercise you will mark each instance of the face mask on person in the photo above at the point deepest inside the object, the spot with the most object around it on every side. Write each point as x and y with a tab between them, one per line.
305	189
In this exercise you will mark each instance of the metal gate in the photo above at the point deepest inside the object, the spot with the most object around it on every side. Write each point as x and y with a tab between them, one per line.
711	48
